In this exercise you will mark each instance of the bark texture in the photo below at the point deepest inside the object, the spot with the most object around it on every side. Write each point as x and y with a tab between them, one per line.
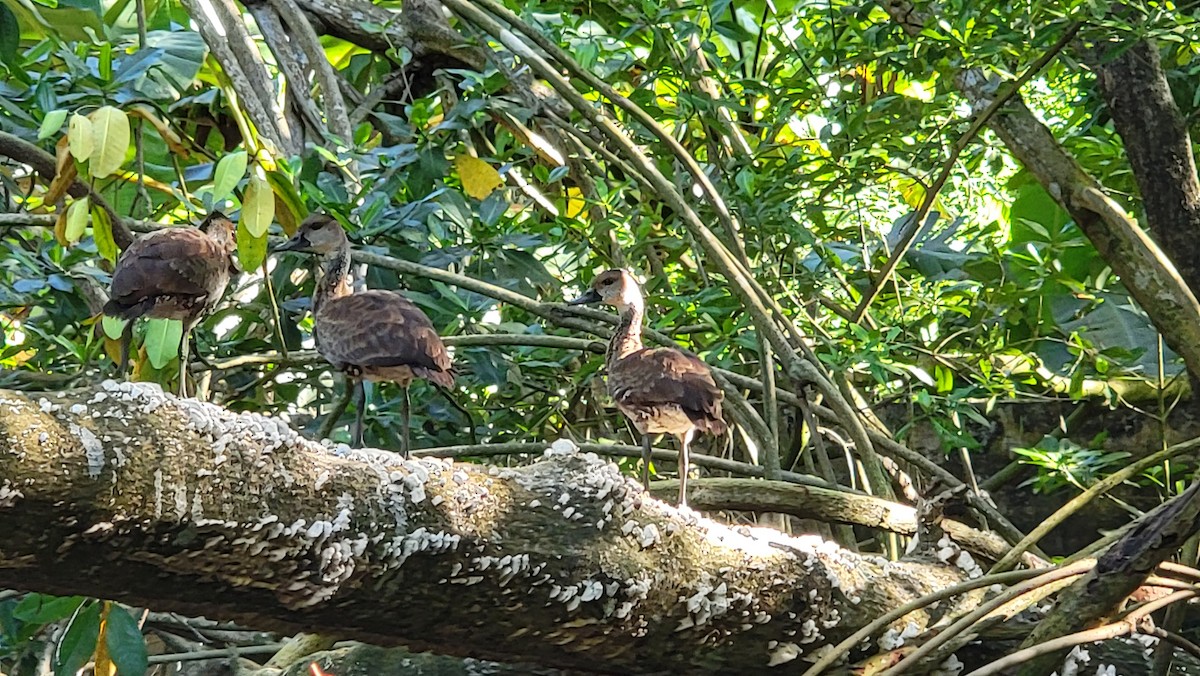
125	492
1134	87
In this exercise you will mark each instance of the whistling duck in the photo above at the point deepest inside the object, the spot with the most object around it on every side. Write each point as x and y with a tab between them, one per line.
173	273
659	389
373	335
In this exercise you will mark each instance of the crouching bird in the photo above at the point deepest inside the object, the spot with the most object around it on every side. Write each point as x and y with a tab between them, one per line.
661	389
173	273
374	335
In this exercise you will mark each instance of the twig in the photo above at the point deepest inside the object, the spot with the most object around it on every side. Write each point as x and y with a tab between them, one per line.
267	649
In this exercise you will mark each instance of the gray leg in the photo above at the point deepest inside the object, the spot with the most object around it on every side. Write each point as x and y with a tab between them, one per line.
646	461
183	360
361	391
404	406
684	442
126	341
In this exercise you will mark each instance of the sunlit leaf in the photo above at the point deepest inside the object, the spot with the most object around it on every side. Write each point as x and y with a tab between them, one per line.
51	124
251	250
478	178
576	205
113	326
258	206
102	232
228	174
77	219
79	133
162	341
286	194
103	664
110	127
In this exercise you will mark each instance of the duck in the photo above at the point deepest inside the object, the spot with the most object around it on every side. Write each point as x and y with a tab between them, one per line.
173	273
376	334
662	390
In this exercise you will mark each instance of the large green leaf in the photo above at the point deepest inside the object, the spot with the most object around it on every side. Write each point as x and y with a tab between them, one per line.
229	172
79	642
125	644
162	341
252	251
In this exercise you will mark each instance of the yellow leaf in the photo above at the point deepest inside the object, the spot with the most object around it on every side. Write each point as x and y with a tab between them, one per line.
64	172
104	664
478	178
172	139
575	204
102	232
79	133
77	218
110	128
258	206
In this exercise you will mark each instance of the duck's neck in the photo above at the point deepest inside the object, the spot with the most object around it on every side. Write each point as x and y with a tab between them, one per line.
335	278
628	337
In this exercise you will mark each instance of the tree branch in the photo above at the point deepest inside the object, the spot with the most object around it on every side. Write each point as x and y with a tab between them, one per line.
185	506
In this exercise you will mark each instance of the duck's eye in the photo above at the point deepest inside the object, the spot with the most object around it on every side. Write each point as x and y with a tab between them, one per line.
607	282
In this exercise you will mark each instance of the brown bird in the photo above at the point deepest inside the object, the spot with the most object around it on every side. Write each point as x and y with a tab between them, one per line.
661	389
173	273
373	335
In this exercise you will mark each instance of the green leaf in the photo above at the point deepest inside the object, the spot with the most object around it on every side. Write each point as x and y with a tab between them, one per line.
125	644
102	232
77	218
79	642
113	326
162	341
110	127
51	123
251	250
228	174
10	35
43	608
258	208
80	137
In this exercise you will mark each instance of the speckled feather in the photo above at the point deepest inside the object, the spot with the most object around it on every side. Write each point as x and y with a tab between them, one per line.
654	386
175	273
383	335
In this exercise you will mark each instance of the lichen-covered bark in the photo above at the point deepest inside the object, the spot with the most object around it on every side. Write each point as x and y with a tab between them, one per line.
125	492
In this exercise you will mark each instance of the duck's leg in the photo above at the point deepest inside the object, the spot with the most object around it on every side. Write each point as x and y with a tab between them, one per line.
684	442
183	359
126	342
646	461
404	410
360	391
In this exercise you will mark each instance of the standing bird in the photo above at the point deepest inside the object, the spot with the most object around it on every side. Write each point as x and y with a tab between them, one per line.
376	335
173	273
660	389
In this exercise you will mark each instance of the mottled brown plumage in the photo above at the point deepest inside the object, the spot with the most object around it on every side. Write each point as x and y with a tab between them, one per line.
173	273
661	390
369	335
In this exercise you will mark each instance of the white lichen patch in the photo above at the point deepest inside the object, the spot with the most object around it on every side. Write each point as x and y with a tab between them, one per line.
9	494
93	449
895	637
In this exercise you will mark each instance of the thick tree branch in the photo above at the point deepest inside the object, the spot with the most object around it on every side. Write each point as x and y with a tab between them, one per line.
44	164
125	492
1134	86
